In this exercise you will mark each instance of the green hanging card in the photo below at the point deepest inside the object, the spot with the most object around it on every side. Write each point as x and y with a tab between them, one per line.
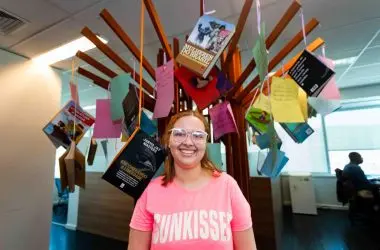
119	89
260	54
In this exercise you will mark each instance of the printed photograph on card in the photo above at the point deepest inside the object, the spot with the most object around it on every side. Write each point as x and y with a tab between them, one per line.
206	42
71	123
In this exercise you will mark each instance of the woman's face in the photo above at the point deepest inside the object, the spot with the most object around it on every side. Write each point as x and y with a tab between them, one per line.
188	141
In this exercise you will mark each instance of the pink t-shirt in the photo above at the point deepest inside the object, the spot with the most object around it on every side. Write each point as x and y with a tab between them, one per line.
192	219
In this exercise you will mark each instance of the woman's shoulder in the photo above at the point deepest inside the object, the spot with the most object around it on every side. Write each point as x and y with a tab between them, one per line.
226	178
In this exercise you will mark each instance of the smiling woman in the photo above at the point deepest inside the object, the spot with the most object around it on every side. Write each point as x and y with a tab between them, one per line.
193	204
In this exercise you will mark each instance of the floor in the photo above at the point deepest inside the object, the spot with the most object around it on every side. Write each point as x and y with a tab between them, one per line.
330	230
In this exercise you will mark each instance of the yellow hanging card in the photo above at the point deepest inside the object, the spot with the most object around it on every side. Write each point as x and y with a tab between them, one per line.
302	97
262	102
285	102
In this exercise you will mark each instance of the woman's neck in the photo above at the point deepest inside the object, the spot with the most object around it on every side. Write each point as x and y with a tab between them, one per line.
188	176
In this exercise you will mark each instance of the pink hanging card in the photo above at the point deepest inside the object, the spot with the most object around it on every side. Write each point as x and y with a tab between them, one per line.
331	91
222	119
165	90
74	93
104	127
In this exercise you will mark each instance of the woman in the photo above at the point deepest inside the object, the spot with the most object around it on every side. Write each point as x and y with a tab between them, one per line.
193	205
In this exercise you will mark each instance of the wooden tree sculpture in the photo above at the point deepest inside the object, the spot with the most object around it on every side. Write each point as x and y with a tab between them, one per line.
239	96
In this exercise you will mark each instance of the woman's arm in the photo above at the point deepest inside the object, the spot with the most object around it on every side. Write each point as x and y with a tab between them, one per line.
244	240
139	240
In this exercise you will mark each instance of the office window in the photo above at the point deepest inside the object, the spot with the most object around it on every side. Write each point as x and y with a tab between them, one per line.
354	130
309	156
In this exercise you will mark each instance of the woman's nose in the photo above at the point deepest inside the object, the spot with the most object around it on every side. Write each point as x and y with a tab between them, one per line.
188	140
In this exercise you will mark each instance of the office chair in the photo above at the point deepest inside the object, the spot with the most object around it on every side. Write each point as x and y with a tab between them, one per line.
360	204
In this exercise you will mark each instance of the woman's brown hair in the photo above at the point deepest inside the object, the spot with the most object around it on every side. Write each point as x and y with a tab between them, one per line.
169	170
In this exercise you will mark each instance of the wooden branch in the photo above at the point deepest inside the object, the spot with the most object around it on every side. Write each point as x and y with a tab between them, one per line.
176	84
96	79
123	36
271	39
202	10
149	102
311	47
97	65
114	57
158	27
239	30
298	38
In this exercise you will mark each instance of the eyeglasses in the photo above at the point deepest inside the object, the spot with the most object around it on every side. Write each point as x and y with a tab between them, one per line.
179	135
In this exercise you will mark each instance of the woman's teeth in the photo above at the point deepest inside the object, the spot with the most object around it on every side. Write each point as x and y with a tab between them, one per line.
187	152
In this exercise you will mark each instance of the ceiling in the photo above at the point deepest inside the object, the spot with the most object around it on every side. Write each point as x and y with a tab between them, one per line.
346	25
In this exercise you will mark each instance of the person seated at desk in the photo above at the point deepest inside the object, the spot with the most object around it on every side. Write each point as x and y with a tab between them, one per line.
359	180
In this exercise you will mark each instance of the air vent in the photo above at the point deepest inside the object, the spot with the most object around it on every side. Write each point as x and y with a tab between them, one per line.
9	23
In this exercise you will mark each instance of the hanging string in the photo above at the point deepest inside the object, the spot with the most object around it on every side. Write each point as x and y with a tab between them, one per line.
324	50
258	10
283	68
204	9
303	27
142	22
75	104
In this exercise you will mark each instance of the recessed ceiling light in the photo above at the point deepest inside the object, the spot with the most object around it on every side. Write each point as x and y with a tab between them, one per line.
66	51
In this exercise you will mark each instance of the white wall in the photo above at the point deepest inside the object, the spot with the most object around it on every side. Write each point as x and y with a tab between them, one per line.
29	97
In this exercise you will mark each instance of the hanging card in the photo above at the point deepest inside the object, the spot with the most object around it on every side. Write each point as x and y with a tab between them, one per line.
299	132
72	169
74	92
131	106
223	120
274	163
104	126
258	119
323	106
260	54
104	144
331	90
223	84
165	90
190	82
302	98
285	101
262	102
119	89
92	151
60	128
310	73
214	154
147	125
135	165
264	141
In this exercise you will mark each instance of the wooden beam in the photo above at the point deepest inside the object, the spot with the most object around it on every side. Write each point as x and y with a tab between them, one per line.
149	102
239	30
202	8
114	57
96	79
158	27
311	47
271	39
298	38
97	65
123	36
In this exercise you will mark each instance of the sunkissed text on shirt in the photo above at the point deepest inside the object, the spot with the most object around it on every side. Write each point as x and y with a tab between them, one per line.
192	225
